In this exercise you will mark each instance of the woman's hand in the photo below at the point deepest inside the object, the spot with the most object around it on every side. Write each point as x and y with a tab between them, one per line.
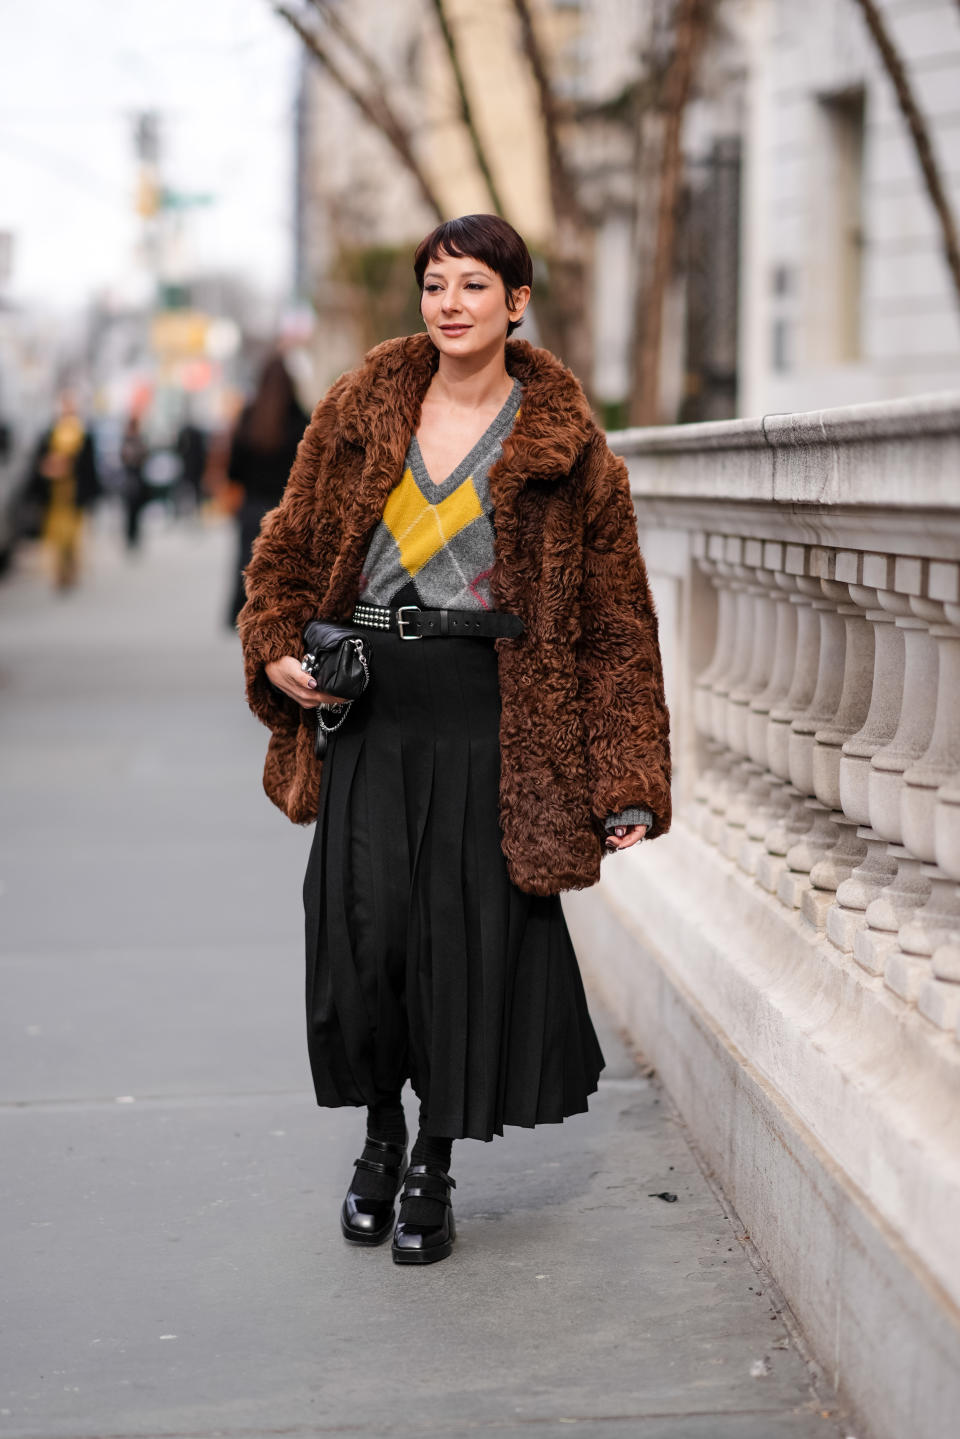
288	676
625	835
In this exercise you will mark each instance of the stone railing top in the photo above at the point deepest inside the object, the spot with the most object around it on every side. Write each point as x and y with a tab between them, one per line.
902	453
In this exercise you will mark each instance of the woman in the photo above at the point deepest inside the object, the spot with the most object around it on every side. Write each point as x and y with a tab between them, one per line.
136	491
456	485
261	453
65	483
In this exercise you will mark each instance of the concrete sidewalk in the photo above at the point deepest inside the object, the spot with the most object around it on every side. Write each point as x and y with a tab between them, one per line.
172	1260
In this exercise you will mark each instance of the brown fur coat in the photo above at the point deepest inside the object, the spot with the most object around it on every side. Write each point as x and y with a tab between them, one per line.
584	730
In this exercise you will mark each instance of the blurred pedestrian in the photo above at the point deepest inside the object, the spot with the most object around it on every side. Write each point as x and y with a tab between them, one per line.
65	482
192	449
263	449
456	491
136	491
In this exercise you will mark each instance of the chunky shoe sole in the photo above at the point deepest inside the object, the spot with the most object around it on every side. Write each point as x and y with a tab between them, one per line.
423	1256
426	1256
374	1237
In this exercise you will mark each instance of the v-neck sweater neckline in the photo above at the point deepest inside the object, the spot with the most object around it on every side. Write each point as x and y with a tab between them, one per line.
497	429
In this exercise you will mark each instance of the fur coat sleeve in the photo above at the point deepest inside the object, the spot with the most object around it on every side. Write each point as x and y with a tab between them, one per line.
291	563
625	717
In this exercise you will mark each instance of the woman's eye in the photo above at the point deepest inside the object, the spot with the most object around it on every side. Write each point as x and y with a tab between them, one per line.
431	289
475	285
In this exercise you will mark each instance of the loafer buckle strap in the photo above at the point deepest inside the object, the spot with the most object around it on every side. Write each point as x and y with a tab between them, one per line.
385	1146
415	1192
374	1166
428	1171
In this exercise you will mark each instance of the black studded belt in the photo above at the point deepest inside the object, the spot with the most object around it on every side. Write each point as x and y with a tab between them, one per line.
412	623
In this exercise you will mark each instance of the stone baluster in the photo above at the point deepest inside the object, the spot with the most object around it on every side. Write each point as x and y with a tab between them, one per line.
895	905
732	779
910	970
934	1001
718	573
717	759
823	834
946	825
737	654
877	869
770	794
850	850
752	777
797	819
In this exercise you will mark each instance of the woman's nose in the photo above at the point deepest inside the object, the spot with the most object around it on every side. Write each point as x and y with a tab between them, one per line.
451	301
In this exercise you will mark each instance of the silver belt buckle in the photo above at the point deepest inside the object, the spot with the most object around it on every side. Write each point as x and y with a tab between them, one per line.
404	610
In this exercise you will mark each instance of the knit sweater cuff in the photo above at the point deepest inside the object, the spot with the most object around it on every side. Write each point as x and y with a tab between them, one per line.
628	817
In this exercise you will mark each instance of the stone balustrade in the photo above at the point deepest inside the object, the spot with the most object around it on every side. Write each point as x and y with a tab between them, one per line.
830	722
789	956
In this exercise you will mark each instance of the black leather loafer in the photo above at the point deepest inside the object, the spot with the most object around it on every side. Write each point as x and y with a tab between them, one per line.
425	1243
369	1221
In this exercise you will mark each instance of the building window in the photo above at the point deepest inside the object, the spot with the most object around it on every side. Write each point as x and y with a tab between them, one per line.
837	214
780	282
782	317
781	345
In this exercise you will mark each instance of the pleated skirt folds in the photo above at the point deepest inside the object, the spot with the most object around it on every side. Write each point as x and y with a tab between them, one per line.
424	961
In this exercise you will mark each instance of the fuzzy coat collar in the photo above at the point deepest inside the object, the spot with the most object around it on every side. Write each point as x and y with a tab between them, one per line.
550	432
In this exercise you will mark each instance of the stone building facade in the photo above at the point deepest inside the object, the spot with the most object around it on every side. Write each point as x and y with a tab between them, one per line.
810	269
846	292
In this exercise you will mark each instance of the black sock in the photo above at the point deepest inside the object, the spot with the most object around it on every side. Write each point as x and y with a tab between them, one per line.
435	1152
430	1150
386	1122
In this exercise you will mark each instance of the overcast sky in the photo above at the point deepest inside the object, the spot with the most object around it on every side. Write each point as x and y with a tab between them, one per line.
72	75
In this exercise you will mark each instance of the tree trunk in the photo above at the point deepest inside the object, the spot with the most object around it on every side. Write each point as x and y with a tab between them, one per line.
466	110
565	311
690	25
919	134
375	109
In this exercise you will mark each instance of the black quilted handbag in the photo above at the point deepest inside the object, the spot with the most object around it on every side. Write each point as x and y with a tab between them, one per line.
339	661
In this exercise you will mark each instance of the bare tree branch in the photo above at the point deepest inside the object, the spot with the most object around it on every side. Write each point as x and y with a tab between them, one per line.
376	109
691	22
919	134
564	312
466	112
566	203
348	39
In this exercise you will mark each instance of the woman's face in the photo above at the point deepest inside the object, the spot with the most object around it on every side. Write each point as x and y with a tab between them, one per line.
464	306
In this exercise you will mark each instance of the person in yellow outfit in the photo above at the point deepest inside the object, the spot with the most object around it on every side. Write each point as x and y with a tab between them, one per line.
65	476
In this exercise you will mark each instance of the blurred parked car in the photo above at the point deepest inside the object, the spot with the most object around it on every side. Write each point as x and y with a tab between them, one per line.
23	409
18	440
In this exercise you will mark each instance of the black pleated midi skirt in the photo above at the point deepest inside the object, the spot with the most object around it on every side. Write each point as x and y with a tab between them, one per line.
424	961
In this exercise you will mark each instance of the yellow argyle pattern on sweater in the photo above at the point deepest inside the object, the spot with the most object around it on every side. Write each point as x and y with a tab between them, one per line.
421	529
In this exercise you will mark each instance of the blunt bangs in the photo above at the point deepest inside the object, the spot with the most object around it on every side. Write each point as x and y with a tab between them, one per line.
486	238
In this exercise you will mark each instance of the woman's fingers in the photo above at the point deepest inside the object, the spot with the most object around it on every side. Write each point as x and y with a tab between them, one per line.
288	676
625	835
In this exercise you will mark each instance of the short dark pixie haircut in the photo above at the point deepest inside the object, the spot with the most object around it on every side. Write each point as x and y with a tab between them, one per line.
480	237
